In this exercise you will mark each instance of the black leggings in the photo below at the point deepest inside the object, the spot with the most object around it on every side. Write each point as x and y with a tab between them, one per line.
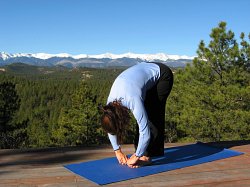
155	104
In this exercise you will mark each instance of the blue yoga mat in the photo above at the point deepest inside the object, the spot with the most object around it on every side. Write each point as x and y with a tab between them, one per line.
108	170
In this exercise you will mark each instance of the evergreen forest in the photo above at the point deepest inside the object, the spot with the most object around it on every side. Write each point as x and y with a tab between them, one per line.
57	106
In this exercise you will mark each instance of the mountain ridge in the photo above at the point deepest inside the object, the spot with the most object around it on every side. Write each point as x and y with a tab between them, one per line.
84	60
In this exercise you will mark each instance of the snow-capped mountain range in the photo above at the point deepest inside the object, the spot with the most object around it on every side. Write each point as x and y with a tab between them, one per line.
84	60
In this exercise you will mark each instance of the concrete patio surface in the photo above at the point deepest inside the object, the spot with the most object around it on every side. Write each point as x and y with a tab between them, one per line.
44	167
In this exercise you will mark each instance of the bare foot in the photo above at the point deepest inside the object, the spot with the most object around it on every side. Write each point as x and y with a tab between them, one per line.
144	160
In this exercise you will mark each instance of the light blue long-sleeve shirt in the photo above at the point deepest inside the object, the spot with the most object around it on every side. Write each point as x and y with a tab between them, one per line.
131	86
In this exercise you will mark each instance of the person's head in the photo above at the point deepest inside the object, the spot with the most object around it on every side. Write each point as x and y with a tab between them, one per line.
114	119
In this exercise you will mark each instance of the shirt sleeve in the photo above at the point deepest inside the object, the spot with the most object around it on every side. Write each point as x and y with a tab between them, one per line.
113	141
143	123
144	139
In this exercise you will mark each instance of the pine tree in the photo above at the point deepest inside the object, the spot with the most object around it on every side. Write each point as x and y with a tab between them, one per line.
9	104
78	124
213	94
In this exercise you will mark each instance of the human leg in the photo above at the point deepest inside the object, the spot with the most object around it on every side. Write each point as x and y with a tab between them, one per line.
155	105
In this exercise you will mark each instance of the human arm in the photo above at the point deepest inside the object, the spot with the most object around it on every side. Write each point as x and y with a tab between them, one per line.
144	134
135	160
141	117
121	157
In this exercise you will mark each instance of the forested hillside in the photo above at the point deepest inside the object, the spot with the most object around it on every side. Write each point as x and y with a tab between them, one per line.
56	106
52	106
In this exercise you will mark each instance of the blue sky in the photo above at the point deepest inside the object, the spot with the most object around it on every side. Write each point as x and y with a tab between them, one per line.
116	26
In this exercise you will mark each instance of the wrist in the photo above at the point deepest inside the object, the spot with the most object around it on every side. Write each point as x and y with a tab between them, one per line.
137	157
118	150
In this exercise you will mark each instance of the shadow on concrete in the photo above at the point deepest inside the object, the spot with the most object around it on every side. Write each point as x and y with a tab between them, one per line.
5	172
229	144
4	152
50	156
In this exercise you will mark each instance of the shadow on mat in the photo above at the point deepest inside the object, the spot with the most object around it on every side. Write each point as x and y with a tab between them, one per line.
189	152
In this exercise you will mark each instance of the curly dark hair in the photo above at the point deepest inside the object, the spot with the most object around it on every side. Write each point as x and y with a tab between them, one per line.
115	118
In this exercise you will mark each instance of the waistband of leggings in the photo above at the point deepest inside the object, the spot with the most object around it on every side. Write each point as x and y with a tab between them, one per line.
163	68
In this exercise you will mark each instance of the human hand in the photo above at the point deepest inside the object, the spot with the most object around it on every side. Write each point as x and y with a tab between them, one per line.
133	161
121	157
136	162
